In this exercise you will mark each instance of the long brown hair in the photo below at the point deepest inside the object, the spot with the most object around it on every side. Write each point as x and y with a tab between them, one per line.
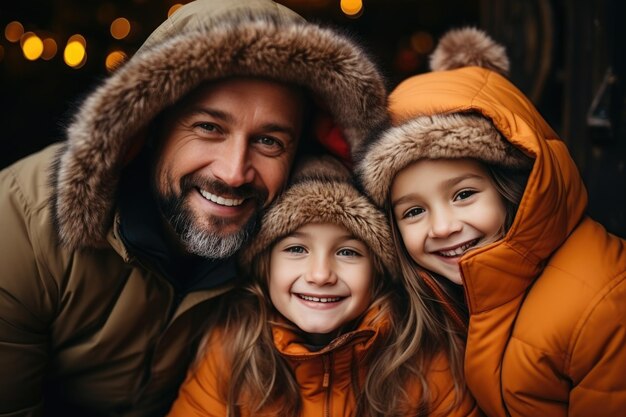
259	379
438	313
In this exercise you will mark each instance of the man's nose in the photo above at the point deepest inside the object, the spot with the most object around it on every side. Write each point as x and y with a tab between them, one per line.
233	164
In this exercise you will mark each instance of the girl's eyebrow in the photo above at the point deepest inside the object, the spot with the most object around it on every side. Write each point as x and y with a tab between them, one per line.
451	182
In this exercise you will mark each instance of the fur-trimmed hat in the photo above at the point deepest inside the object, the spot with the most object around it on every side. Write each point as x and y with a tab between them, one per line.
202	41
322	191
457	134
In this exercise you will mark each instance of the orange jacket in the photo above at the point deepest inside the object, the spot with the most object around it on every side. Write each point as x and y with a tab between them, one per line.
325	377
547	331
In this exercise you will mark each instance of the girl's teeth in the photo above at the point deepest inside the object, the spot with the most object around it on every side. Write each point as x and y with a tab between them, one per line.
458	251
320	300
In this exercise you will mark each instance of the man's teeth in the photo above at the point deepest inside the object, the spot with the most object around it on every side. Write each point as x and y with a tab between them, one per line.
458	251
320	299
221	200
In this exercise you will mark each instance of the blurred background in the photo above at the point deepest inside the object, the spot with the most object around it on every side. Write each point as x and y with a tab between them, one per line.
565	56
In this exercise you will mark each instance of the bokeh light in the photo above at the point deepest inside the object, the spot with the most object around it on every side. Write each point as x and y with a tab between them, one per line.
173	9
351	7
14	31
50	49
75	54
120	28
78	38
32	46
114	60
422	42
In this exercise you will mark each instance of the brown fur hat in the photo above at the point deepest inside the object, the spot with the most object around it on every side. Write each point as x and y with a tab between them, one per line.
322	191
445	135
202	41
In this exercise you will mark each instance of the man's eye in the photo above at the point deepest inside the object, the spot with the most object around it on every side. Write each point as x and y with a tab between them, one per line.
208	127
269	142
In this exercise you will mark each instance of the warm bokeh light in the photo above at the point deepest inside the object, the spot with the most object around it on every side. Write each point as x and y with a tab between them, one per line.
74	54
50	49
13	31
114	60
32	47
120	28
24	37
351	7
173	9
407	60
422	42
78	38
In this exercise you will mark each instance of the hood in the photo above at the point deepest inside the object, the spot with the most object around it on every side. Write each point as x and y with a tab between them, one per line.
553	202
322	191
205	40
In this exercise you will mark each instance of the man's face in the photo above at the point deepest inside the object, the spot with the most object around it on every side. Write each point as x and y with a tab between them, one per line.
225	154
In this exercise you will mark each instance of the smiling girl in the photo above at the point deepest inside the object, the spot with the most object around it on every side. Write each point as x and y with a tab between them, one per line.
488	214
324	328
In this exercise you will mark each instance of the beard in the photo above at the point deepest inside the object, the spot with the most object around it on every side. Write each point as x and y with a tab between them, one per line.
204	236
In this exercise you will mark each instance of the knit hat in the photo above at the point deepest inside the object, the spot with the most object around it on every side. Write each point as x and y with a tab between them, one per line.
208	40
322	191
443	135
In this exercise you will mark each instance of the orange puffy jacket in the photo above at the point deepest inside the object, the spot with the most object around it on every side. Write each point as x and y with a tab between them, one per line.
547	331
326	377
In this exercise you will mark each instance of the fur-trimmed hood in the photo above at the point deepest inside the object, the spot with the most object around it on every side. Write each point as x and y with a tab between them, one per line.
204	40
322	191
460	111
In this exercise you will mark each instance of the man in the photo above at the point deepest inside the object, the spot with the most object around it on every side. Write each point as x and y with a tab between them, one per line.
115	241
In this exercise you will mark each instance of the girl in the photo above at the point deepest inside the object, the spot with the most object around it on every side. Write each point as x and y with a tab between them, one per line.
488	211
323	329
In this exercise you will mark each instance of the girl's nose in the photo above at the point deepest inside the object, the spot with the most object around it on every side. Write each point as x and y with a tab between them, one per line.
443	223
321	272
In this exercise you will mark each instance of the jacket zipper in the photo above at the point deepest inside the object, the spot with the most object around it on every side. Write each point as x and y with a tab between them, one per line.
326	384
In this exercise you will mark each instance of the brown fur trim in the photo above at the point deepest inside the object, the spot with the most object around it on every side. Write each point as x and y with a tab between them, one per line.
267	45
433	137
469	47
325	196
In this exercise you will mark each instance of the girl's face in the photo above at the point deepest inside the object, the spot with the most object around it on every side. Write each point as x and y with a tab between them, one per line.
320	278
443	208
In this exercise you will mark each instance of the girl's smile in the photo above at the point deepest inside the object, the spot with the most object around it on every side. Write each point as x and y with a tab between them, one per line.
444	208
320	277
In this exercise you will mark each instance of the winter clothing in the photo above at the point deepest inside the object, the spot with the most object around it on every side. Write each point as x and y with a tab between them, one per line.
329	378
326	377
91	322
547	303
322	192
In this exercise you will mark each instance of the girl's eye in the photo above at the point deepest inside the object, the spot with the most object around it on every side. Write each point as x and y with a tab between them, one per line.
412	212
347	252
295	249
464	194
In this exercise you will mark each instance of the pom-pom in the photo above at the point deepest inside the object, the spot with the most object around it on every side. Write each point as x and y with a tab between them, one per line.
469	47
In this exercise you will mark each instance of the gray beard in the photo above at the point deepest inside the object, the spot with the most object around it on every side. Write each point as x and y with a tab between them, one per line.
202	242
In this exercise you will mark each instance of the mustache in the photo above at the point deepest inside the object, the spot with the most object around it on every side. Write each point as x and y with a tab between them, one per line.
245	192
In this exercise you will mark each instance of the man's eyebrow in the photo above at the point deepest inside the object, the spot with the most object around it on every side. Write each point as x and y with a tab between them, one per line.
278	128
218	114
228	118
